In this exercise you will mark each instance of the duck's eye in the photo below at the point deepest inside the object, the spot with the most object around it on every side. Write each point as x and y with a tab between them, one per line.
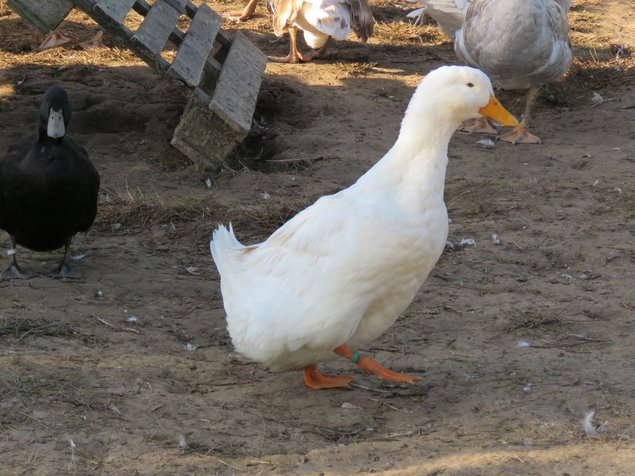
470	85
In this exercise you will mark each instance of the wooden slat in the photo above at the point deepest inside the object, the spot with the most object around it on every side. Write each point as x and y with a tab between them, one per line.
236	92
142	8
116	9
197	45
45	16
157	25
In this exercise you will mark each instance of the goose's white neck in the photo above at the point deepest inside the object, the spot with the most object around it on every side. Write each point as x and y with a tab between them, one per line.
416	164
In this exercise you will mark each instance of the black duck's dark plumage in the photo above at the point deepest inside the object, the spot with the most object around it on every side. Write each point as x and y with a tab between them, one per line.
48	186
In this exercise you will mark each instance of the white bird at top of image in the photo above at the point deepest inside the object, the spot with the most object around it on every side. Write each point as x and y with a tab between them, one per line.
338	275
320	20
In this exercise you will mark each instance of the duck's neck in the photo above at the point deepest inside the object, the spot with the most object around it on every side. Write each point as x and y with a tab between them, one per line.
422	143
416	164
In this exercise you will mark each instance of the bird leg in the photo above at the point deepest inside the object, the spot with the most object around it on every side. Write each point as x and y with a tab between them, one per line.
521	134
369	366
64	270
317	381
14	271
54	39
247	12
480	126
294	55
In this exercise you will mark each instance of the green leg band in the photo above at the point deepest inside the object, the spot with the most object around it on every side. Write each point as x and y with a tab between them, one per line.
355	357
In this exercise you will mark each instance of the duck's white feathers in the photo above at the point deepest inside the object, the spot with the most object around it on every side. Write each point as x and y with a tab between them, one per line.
519	43
340	271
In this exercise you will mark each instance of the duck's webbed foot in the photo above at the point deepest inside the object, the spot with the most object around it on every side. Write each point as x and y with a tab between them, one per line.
294	55
15	272
96	41
369	366
520	135
54	39
64	271
317	381
477	126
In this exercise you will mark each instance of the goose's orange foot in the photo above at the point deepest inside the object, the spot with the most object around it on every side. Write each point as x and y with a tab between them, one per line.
290	58
53	39
95	41
238	16
315	380
520	135
369	366
478	126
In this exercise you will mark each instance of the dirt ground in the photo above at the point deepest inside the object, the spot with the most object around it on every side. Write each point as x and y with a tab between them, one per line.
131	371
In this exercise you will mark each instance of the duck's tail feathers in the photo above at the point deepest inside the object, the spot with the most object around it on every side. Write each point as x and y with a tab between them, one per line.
223	245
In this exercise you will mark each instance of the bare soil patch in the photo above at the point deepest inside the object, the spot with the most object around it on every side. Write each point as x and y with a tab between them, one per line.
516	337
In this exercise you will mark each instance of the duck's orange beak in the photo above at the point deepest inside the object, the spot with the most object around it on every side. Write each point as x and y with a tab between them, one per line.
494	110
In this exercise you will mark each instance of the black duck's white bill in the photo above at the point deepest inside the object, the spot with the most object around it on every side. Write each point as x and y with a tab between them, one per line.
55	128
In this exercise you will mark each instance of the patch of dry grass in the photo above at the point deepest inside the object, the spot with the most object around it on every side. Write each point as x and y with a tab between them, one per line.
20	328
257	221
135	208
407	34
353	70
534	319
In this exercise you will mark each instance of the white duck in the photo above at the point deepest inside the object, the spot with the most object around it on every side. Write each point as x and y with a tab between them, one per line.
520	44
320	20
338	275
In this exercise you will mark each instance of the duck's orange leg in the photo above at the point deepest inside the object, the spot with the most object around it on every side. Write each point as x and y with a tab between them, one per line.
369	366
315	380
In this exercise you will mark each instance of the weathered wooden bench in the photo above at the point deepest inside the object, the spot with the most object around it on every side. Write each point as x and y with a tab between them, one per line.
224	71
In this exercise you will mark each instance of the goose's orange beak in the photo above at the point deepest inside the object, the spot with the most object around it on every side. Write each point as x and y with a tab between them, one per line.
494	110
